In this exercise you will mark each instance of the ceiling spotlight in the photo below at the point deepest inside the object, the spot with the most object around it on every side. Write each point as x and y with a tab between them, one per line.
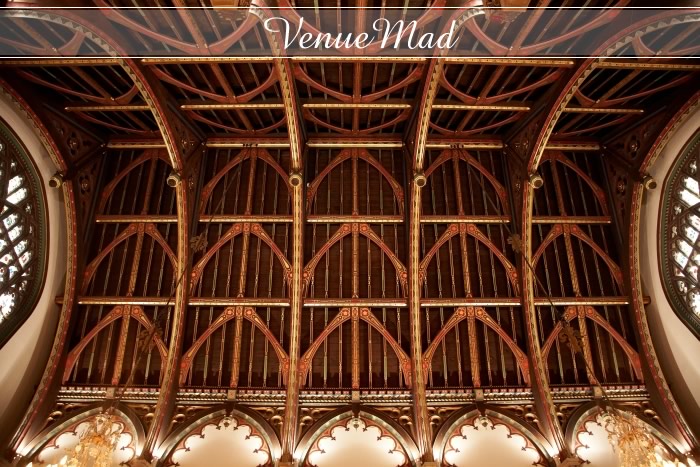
648	182
536	181
174	179
56	180
295	179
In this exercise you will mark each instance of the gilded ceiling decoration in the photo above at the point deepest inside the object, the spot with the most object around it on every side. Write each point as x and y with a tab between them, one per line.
353	246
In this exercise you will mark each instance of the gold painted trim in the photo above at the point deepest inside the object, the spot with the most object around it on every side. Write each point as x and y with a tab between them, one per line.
321	219
463	144
136	145
623	65
360	58
511	62
464	219
47	62
107	108
199	60
226	144
319	144
572	147
359	105
483	108
591	110
236	106
572	220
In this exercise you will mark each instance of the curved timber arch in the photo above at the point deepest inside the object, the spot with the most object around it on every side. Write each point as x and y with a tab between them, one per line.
598	192
343	231
472	230
589	312
361	154
236	229
250	417
132	229
364	314
227	315
118	312
245	154
386	424
479	313
558	230
149	155
534	439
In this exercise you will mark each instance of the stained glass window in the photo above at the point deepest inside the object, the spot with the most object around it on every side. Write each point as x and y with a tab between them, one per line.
680	235
22	234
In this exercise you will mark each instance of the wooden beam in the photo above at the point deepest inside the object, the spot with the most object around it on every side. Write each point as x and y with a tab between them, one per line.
465	219
360	58
60	62
650	66
357	105
594	110
506	61
349	302
108	108
137	144
385	142
270	142
511	107
256	105
203	60
290	423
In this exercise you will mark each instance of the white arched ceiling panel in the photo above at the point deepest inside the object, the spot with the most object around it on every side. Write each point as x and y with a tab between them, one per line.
595	449
488	443
227	442
356	442
61	444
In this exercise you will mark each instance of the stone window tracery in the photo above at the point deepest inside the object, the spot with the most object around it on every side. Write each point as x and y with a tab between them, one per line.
680	235
22	234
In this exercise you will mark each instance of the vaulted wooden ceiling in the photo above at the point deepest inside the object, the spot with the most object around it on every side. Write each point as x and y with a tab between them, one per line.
351	218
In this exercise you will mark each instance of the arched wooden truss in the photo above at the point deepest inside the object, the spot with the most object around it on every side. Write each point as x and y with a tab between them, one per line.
473	231
355	314
238	314
109	189
354	229
246	228
355	154
520	112
139	230
245	154
575	231
471	314
125	313
590	313
465	156
554	157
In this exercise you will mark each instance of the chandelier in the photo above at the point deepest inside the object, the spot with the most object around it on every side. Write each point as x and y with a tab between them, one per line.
96	445
100	439
628	435
635	445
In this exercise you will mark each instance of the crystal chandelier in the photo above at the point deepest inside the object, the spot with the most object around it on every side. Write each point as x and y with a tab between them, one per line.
630	437
100	439
97	443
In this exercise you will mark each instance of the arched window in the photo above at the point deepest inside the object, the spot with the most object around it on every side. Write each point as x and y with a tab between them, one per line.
680	235
22	234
